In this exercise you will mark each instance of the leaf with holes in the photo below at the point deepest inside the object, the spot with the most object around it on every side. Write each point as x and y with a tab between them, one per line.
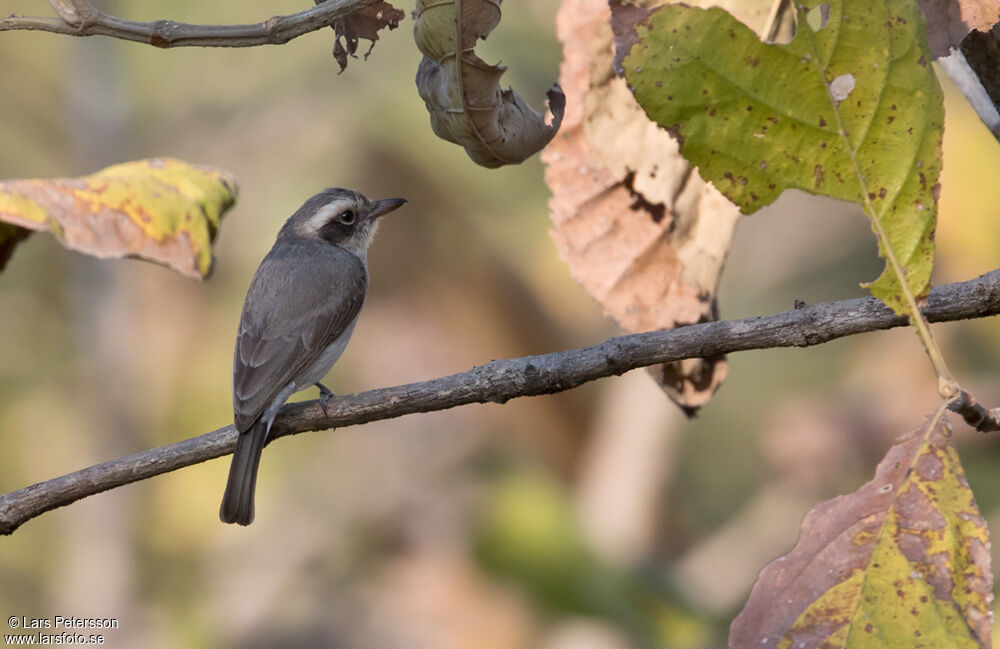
637	226
904	561
850	108
162	210
364	23
462	93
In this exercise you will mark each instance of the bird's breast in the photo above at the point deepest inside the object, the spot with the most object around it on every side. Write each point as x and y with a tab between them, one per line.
326	359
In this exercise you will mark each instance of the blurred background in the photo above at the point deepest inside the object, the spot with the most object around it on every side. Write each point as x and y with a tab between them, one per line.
594	519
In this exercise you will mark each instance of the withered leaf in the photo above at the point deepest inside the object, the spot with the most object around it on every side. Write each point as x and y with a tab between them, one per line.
904	557
949	21
462	94
162	210
364	23
10	236
638	227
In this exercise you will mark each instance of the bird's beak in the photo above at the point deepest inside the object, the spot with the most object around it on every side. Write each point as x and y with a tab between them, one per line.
384	206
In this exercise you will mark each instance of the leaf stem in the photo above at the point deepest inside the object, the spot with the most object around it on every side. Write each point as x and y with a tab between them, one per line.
948	387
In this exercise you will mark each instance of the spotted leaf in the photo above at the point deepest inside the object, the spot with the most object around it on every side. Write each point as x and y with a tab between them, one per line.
902	562
850	108
162	210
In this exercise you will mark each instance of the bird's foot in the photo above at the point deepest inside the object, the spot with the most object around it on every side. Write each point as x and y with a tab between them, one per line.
324	397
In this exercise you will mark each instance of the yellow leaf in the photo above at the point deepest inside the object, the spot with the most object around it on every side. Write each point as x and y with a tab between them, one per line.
162	210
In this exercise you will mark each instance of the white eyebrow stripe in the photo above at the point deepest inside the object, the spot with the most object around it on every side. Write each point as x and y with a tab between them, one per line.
325	213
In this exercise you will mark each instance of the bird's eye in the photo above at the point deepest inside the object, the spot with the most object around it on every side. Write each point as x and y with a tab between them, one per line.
348	217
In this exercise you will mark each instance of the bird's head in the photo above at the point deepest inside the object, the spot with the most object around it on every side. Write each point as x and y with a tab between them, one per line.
340	217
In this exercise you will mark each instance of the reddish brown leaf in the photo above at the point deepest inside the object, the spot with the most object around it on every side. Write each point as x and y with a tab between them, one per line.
905	557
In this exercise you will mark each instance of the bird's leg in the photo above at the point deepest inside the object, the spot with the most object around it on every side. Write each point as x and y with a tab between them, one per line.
324	396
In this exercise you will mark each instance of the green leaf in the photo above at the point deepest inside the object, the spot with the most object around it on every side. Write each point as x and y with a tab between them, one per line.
903	562
163	210
850	108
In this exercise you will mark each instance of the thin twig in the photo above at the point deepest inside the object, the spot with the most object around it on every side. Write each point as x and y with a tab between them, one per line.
974	413
81	18
500	381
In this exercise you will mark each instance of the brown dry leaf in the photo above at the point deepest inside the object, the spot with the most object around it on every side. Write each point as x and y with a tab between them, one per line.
364	23
639	229
982	53
904	557
162	210
950	21
496	127
10	236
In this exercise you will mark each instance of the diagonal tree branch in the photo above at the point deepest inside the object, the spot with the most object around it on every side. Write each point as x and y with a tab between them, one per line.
81	18
502	380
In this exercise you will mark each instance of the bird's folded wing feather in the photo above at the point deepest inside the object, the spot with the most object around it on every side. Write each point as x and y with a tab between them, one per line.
298	303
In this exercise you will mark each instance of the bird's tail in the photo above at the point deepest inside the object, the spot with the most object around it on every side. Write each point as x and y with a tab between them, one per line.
237	502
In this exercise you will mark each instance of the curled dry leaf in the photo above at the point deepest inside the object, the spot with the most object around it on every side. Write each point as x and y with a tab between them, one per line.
496	127
162	210
638	227
950	21
905	557
364	23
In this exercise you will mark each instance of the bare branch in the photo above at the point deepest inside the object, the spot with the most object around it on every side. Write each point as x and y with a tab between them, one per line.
81	18
500	381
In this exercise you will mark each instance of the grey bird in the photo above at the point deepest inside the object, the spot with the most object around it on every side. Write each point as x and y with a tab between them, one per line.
298	315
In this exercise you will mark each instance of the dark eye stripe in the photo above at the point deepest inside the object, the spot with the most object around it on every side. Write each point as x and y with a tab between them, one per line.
335	232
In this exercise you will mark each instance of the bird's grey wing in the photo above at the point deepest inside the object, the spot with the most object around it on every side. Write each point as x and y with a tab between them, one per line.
293	310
